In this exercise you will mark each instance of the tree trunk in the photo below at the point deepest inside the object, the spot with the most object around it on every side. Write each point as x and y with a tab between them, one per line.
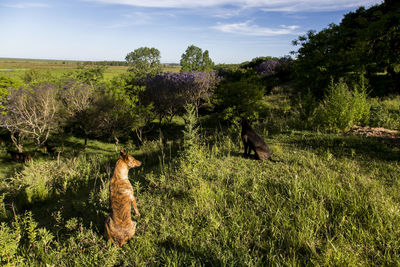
139	134
86	141
160	120
17	142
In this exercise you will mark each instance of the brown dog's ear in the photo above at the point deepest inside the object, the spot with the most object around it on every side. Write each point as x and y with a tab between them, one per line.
121	153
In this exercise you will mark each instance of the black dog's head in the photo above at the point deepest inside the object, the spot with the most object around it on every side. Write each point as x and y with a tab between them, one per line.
245	123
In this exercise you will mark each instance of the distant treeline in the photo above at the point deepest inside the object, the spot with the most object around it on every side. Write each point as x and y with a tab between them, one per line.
117	63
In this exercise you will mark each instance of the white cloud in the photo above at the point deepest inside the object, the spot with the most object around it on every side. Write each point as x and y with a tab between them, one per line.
25	5
247	28
226	13
268	5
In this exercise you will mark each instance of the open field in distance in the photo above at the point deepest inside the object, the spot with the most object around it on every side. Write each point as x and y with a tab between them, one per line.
15	67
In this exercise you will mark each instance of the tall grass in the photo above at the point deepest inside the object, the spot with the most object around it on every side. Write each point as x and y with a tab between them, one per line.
385	112
331	200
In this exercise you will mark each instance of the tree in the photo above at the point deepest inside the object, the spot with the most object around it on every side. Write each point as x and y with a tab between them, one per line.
239	94
144	61
195	60
31	112
127	105
366	42
170	91
78	99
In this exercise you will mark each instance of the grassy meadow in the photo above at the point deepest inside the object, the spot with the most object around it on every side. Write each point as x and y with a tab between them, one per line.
15	68
328	200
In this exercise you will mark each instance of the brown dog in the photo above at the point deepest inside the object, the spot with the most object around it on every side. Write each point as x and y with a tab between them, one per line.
119	226
252	141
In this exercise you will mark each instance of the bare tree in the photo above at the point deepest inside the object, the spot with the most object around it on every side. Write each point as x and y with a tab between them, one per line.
31	112
77	99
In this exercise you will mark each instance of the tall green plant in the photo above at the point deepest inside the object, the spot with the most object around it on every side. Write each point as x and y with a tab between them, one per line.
342	108
361	105
190	133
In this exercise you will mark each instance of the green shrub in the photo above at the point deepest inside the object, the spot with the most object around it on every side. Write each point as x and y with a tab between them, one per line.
307	108
190	133
40	180
3	211
9	241
85	248
342	108
360	104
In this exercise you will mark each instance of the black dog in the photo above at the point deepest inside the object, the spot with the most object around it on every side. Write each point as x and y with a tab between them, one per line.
252	141
19	156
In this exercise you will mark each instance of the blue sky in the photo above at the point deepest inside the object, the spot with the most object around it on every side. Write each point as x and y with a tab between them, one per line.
232	31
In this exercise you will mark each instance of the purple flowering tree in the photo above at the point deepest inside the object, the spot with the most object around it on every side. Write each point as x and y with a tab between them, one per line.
268	68
170	92
31	112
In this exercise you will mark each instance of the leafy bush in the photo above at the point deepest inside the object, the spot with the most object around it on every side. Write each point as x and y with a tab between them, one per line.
5	84
9	241
342	108
39	181
191	132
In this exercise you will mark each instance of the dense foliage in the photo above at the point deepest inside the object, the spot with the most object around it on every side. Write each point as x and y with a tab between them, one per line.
240	94
366	41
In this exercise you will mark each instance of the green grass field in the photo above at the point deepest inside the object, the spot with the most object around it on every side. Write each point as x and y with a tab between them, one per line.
329	200
15	68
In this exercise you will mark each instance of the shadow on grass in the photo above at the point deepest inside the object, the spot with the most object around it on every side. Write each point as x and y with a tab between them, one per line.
373	148
189	253
80	200
81	197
